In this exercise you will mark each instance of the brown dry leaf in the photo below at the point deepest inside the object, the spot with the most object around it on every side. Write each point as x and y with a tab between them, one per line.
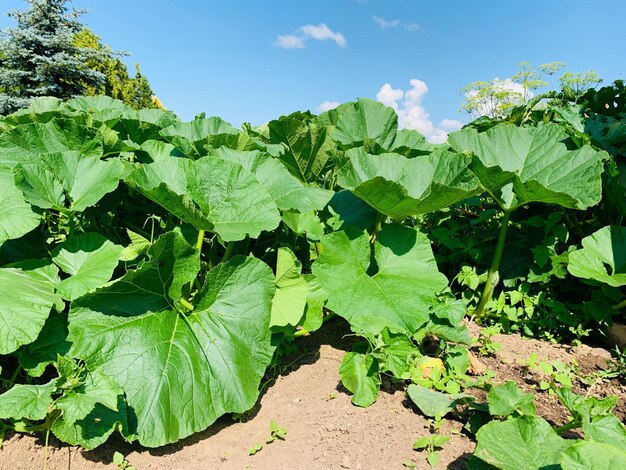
476	367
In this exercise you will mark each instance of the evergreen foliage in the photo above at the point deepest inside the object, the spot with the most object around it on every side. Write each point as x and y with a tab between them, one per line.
39	57
50	53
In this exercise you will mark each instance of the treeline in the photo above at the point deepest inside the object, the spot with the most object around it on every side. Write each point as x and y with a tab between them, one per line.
51	53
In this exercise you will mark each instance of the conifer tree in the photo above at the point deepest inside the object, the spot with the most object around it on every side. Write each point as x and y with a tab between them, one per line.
39	57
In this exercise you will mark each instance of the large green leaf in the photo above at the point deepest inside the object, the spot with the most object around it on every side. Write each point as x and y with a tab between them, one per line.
194	138
16	215
67	181
607	429
609	132
533	165
290	298
363	123
286	190
89	259
26	299
129	124
26	142
307	146
590	455
399	187
209	193
180	369
395	288
602	257
527	442
27	401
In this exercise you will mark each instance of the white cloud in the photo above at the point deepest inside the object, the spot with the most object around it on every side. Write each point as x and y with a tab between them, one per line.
389	96
413	27
411	111
320	32
450	125
385	24
289	41
326	105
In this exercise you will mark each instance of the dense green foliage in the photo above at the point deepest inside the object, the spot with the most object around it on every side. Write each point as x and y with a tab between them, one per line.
155	265
135	91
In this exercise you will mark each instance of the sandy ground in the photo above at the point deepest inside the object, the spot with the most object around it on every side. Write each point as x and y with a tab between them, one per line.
324	430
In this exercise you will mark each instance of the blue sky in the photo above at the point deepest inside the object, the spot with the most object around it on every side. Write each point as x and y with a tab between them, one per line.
223	57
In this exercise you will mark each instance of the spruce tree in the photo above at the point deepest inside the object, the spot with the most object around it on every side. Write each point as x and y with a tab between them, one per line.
38	57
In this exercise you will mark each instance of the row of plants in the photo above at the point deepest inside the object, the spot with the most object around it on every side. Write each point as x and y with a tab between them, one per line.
153	269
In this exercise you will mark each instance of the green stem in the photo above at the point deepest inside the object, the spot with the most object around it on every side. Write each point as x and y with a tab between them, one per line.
186	304
13	378
200	240
493	277
379	221
318	248
45	455
230	247
71	222
566	427
199	243
378	227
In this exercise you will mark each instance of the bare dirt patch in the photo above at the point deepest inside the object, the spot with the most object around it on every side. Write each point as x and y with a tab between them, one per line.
324	430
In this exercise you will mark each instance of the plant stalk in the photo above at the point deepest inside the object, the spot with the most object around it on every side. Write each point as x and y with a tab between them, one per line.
566	427
493	277
230	247
200	240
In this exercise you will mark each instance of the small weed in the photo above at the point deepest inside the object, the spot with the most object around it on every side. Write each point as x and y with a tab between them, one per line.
557	373
121	462
484	342
431	444
276	432
257	448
